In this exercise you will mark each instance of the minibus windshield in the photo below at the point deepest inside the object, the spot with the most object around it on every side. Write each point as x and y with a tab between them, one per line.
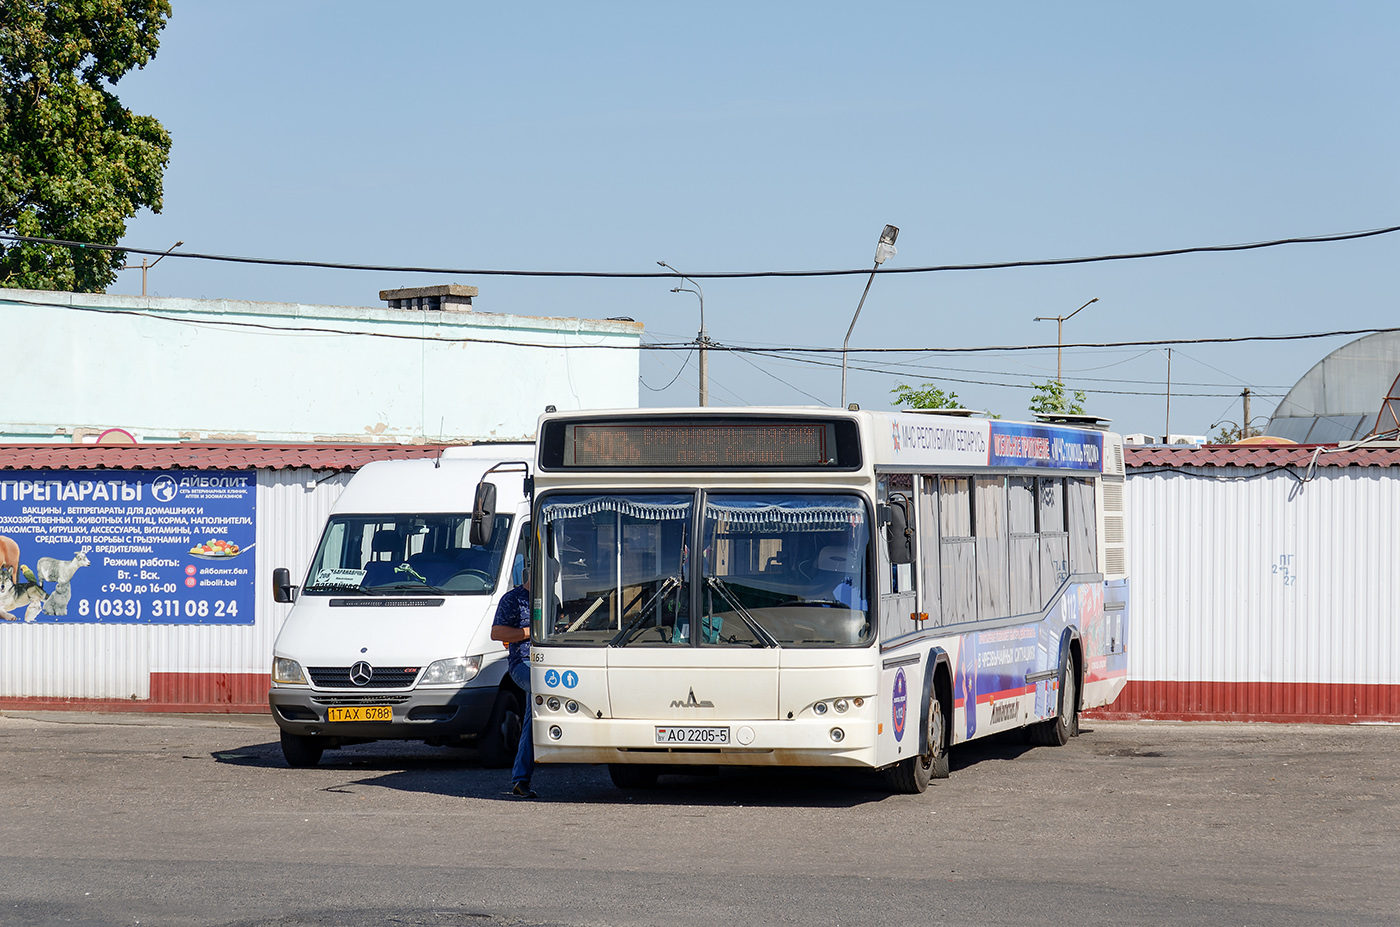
405	555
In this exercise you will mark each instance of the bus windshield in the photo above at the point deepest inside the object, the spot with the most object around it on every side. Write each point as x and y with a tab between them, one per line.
405	555
775	569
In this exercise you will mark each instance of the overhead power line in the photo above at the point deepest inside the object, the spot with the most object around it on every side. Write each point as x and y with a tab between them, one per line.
485	272
688	345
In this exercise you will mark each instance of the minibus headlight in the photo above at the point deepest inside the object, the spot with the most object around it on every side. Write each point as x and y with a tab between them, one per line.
287	672
840	704
451	672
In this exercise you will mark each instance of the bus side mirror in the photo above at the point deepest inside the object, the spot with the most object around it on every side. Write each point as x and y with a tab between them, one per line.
900	538
282	588
483	514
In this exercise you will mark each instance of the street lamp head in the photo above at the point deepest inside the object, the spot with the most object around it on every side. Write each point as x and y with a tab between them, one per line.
675	289
885	249
177	244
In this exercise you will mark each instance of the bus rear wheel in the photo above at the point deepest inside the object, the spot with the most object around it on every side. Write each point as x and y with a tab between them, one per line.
632	776
913	775
1058	730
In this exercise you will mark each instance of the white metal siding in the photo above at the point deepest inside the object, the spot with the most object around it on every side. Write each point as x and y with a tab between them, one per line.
1210	561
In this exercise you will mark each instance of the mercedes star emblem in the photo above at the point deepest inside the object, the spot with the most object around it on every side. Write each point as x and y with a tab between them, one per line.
360	673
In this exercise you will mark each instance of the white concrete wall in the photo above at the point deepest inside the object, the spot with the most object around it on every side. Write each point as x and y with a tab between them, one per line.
217	370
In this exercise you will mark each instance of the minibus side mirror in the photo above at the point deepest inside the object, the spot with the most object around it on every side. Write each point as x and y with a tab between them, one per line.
900	538
483	514
282	588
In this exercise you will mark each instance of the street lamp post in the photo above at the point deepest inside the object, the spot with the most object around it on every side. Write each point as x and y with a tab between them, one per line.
883	250
145	267
702	339
1060	337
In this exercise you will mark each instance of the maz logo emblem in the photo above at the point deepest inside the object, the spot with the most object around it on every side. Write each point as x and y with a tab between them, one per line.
692	703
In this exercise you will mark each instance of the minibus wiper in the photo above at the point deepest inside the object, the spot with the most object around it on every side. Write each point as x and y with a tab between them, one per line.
353	588
759	631
669	583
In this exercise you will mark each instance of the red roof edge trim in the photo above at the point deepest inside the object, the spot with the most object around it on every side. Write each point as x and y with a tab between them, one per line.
207	456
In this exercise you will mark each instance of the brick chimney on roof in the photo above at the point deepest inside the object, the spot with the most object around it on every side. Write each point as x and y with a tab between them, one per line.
452	296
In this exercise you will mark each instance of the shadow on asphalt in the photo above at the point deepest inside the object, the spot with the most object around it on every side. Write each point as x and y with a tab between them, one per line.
457	772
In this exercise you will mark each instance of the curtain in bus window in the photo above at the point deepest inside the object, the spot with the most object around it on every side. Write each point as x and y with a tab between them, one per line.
1083	526
957	551
928	550
993	550
1025	546
1054	540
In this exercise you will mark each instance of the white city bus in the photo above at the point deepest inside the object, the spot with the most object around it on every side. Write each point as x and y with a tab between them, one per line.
819	587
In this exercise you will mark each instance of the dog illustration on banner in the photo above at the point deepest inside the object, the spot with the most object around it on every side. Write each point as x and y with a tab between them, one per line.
19	588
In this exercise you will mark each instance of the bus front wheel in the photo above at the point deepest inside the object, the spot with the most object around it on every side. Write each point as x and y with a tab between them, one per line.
631	776
913	775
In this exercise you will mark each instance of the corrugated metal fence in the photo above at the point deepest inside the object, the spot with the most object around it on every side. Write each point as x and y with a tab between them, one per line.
1256	596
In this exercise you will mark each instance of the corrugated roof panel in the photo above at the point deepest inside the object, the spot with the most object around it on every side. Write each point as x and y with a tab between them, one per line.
207	456
1259	455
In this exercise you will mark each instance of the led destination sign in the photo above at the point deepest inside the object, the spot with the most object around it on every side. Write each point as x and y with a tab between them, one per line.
662	445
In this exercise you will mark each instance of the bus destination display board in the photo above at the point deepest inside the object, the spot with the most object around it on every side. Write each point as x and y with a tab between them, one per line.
762	445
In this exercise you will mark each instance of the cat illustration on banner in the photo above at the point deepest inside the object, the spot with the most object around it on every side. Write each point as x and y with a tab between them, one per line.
60	572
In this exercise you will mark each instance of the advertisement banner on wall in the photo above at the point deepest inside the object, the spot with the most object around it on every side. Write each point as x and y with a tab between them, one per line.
128	546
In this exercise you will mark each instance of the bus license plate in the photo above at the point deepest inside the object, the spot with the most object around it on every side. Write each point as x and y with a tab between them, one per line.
694	736
360	713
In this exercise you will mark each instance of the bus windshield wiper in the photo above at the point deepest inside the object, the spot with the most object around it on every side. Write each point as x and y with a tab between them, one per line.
759	631
623	636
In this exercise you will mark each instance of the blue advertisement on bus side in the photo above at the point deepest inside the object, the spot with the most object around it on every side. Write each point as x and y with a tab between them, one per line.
1017	445
127	546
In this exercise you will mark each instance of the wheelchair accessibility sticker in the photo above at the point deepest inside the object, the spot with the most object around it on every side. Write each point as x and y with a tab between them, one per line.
552	678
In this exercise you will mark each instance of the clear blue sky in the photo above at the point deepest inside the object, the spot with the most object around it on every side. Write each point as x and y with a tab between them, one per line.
784	136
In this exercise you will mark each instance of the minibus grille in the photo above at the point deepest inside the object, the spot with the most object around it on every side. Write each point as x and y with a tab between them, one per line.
381	677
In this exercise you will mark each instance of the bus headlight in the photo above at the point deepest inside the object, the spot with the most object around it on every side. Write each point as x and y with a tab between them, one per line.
837	735
554	732
451	672
553	703
840	704
819	708
287	672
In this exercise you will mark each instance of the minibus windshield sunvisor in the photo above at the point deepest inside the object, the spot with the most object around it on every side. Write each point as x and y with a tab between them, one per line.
775	569
405	554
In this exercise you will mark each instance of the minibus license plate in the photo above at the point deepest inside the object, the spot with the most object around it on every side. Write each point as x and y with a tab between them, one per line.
693	736
360	713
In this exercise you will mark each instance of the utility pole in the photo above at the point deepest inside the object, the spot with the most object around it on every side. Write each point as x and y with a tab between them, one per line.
1167	435
702	340
145	267
1245	427
1060	335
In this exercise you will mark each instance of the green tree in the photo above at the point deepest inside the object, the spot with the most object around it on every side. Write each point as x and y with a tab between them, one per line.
927	396
74	163
1231	434
1051	399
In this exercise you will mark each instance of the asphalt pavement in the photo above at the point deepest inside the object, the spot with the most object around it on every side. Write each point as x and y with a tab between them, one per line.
112	819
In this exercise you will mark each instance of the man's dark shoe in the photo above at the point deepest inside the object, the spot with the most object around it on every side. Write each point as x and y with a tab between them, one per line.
523	790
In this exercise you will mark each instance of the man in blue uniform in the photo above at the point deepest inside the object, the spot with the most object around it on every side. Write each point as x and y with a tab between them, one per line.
512	628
